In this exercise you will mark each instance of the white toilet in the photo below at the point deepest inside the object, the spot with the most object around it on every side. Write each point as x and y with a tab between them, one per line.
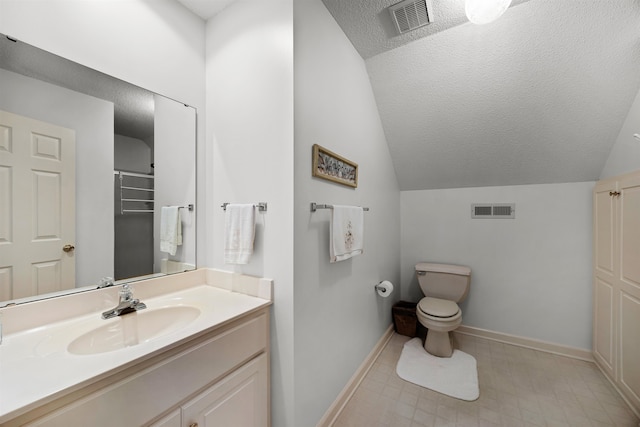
443	285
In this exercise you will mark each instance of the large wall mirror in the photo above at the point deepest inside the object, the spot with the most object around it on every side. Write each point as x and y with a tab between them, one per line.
97	178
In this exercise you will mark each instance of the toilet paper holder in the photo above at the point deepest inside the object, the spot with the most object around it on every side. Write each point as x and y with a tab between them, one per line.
384	288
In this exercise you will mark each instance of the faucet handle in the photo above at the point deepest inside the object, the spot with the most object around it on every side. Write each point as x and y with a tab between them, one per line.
126	292
105	282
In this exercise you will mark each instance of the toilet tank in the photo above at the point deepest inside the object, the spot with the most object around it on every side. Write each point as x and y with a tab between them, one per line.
445	281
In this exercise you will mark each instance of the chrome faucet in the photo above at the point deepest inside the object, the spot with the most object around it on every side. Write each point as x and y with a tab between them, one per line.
127	304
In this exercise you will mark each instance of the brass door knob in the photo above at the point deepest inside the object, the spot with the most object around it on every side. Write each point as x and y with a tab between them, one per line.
193	425
68	248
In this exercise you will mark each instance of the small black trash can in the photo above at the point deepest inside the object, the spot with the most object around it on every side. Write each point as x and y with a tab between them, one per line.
405	319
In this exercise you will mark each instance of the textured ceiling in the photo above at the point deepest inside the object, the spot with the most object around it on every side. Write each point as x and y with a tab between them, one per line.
539	96
369	26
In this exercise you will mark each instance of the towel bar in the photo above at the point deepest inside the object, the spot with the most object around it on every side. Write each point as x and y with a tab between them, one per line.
315	206
262	206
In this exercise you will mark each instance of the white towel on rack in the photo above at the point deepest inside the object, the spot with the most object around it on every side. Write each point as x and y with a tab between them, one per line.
239	232
170	229
347	232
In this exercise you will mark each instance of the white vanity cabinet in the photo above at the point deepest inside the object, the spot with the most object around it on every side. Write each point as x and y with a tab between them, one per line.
616	291
174	419
238	400
217	378
235	401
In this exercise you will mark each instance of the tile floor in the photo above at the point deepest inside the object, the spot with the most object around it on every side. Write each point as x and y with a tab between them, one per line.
518	387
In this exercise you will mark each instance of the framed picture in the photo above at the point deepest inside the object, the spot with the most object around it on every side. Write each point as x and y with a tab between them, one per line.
330	166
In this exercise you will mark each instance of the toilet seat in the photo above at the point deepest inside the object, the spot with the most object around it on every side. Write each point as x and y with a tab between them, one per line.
439	308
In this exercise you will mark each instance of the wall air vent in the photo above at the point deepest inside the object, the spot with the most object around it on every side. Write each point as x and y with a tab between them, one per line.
498	210
411	14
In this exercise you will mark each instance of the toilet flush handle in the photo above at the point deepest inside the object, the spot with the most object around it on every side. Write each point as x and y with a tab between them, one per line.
421	273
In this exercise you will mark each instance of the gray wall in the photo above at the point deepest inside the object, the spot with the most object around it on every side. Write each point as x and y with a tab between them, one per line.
531	276
133	240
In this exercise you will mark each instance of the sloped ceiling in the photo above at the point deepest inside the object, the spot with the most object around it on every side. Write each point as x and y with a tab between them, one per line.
369	26
539	96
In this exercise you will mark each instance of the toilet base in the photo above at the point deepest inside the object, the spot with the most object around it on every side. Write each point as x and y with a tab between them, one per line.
439	343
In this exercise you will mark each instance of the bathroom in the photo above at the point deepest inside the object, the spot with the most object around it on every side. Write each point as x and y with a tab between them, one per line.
272	78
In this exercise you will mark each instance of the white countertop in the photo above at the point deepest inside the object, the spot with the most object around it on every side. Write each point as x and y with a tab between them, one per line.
35	366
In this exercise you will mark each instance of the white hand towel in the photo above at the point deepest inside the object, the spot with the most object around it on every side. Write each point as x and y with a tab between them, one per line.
347	232
170	229
239	232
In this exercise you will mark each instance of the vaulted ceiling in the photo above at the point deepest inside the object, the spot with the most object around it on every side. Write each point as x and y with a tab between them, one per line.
538	96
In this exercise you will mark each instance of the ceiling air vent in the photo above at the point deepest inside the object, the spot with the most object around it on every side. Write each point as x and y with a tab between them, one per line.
411	14
501	210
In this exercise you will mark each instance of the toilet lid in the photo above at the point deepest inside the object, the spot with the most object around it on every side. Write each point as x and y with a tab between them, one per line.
438	307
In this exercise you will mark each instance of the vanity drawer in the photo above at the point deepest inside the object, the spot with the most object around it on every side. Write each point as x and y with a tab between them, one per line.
150	391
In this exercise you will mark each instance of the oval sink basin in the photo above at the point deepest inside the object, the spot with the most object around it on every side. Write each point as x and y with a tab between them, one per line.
133	329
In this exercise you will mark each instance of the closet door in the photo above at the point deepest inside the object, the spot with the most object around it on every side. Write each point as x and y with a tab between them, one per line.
629	284
604	289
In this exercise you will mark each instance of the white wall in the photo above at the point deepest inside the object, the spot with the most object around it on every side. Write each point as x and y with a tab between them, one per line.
249	75
158	45
625	154
338	316
92	120
174	132
531	276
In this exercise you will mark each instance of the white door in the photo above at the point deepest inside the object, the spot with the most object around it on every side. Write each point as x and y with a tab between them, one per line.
37	207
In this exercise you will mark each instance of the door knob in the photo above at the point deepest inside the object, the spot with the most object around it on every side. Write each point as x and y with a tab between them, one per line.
68	248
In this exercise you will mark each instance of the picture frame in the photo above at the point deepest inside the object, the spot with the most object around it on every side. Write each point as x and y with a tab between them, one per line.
333	167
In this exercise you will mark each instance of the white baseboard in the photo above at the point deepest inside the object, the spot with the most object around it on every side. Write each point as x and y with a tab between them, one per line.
562	350
334	410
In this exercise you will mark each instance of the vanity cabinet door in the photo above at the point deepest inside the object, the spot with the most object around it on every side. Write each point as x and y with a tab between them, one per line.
240	400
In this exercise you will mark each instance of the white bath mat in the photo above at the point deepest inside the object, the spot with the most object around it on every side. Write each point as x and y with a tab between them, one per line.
455	376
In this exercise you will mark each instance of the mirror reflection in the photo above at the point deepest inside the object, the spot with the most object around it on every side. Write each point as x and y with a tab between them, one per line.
97	177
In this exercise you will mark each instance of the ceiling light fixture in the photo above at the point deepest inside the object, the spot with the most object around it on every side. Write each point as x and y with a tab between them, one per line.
485	11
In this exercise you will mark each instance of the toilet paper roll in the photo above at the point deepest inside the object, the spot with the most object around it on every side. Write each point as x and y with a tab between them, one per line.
384	288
